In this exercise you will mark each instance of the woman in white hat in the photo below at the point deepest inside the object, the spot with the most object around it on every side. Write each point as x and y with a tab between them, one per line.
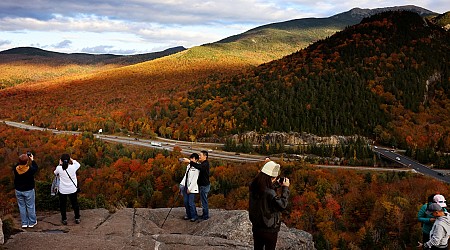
265	206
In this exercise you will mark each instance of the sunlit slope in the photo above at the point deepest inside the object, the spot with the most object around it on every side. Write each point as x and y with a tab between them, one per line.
16	73
89	100
26	65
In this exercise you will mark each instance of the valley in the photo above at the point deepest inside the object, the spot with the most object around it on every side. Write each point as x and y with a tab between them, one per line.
365	74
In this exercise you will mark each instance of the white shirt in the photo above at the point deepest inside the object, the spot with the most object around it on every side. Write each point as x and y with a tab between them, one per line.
66	186
192	179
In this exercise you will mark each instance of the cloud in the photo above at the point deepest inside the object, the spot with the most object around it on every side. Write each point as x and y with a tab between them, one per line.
102	49
63	44
161	22
107	49
4	42
195	12
165	12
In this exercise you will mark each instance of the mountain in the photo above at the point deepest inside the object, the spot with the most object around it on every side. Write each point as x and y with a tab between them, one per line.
30	65
358	13
124	98
36	55
386	78
283	38
443	20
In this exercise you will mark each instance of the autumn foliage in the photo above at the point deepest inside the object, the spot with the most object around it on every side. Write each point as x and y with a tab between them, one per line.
343	209
386	78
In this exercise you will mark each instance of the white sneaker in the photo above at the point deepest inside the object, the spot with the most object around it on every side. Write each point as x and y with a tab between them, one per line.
24	226
32	225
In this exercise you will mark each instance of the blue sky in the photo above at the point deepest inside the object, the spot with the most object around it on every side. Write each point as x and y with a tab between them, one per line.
142	26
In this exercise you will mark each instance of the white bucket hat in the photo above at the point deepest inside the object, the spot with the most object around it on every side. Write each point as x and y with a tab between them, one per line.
271	169
439	199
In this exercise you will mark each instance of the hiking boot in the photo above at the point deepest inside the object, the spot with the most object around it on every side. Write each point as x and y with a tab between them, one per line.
77	221
64	222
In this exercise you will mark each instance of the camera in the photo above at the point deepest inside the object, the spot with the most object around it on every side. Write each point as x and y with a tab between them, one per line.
281	180
28	153
180	159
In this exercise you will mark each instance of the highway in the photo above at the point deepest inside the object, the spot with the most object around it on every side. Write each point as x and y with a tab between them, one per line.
410	163
189	148
163	144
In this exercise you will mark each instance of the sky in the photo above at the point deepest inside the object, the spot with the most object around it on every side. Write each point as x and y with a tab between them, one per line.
125	27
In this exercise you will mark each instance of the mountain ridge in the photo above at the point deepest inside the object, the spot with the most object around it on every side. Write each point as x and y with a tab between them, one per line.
129	93
86	58
338	21
358	56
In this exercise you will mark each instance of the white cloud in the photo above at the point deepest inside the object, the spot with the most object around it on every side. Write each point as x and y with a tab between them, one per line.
63	44
142	25
4	42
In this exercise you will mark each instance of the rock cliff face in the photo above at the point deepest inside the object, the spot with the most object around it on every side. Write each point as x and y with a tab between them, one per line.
141	229
292	138
2	239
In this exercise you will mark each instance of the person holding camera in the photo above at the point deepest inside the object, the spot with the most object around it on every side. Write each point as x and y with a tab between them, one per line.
265	205
68	186
203	181
189	188
24	184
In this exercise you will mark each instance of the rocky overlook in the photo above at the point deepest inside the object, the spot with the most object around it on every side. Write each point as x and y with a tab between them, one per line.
140	228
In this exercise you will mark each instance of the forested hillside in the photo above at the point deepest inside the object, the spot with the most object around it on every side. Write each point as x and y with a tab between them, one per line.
443	20
123	99
386	78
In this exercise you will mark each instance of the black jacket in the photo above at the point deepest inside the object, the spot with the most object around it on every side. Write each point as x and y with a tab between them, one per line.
25	181
203	178
265	210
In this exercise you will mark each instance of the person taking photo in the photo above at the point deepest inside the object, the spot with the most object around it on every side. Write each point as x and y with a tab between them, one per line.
24	185
265	206
68	186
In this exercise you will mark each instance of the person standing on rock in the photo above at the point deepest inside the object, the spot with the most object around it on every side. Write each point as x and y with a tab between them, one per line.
440	231
265	206
189	188
24	184
203	181
68	186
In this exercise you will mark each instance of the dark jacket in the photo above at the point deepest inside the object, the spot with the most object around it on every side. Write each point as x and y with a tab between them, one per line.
25	181
203	178
265	210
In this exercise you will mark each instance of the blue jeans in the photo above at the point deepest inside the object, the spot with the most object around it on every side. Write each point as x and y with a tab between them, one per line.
204	190
27	206
189	204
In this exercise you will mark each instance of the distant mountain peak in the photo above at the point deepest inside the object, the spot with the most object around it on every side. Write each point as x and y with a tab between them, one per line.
362	13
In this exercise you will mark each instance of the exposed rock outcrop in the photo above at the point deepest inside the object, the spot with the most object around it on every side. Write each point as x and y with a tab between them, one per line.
2	239
293	138
141	229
